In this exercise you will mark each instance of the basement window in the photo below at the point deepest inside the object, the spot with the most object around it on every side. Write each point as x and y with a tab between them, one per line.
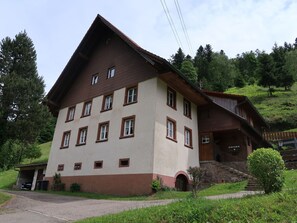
124	162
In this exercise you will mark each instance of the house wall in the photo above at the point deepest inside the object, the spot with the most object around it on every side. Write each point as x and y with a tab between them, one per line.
139	149
170	157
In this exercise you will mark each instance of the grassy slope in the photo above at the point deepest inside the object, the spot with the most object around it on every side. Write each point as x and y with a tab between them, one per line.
8	178
4	198
278	207
280	111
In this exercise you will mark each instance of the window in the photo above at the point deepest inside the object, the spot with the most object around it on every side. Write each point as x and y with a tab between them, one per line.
188	137
77	166
171	98
94	79
65	140
107	102
98	164
187	108
128	127
87	109
70	114
124	162
110	72
82	136
171	129
205	139
103	132
60	167
131	95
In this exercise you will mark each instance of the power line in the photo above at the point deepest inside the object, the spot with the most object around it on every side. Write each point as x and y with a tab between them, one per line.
180	15
171	22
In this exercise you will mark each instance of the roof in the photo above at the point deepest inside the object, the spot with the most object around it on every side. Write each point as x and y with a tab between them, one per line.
31	165
242	101
100	28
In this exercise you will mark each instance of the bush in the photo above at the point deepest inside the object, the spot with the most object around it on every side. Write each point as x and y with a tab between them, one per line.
57	184
156	185
75	187
268	167
196	173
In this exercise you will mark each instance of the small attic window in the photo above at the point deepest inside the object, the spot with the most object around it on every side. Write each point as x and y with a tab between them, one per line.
111	72
94	79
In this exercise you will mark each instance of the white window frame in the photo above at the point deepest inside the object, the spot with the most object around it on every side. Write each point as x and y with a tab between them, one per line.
87	108
108	100
131	95
82	136
94	80
111	72
128	127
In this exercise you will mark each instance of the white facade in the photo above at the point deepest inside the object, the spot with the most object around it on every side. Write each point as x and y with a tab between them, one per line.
149	150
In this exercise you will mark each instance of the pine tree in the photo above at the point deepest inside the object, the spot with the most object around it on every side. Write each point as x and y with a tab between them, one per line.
177	59
22	114
188	69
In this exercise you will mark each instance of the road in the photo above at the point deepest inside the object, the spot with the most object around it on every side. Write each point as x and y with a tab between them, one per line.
34	207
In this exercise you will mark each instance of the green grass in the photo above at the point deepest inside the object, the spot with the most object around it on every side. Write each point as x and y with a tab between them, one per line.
277	207
4	198
280	111
8	178
223	188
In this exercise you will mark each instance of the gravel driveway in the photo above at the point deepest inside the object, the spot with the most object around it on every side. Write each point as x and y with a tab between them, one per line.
31	207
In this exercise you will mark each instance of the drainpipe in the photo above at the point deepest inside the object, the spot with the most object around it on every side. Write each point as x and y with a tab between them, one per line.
34	179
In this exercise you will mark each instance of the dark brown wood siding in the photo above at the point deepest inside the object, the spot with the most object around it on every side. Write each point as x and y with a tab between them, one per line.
211	120
131	68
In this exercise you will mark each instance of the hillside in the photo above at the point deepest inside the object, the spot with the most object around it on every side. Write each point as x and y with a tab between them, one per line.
280	111
8	178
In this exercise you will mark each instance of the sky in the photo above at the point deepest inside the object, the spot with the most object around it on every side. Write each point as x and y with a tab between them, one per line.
56	27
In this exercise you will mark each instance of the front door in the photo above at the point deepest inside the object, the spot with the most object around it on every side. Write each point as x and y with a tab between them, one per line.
206	147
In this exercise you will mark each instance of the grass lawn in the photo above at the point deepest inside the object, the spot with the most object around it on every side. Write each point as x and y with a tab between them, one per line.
277	207
280	111
4	198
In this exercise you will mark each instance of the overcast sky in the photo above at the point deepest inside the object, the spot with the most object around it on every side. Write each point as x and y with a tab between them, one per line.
57	26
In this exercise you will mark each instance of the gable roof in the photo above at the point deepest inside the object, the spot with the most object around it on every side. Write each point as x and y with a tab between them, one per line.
99	30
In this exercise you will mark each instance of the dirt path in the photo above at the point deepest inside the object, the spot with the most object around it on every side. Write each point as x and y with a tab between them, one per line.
37	207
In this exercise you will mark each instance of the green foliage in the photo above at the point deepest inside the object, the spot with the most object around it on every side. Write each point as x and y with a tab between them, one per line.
188	69
268	167
196	174
22	114
156	185
223	188
47	133
57	183
75	187
239	81
177	59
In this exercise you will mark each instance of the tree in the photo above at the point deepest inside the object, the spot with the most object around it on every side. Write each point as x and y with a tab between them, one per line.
291	63
266	72
177	59
283	77
188	69
196	174
22	114
268	167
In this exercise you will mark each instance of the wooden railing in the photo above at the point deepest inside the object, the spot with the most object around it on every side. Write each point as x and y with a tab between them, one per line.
276	136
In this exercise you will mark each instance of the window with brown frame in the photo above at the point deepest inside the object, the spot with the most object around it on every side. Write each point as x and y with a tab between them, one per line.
82	136
60	167
171	98
128	127
94	79
131	95
98	164
65	140
187	108
111	72
124	162
107	102
171	129
87	109
188	137
70	114
103	129
77	166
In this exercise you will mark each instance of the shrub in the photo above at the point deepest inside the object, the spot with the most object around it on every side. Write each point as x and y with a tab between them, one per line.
196	173
268	167
156	185
57	184
75	187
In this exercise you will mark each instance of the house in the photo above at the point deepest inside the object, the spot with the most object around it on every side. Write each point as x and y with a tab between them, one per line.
125	116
